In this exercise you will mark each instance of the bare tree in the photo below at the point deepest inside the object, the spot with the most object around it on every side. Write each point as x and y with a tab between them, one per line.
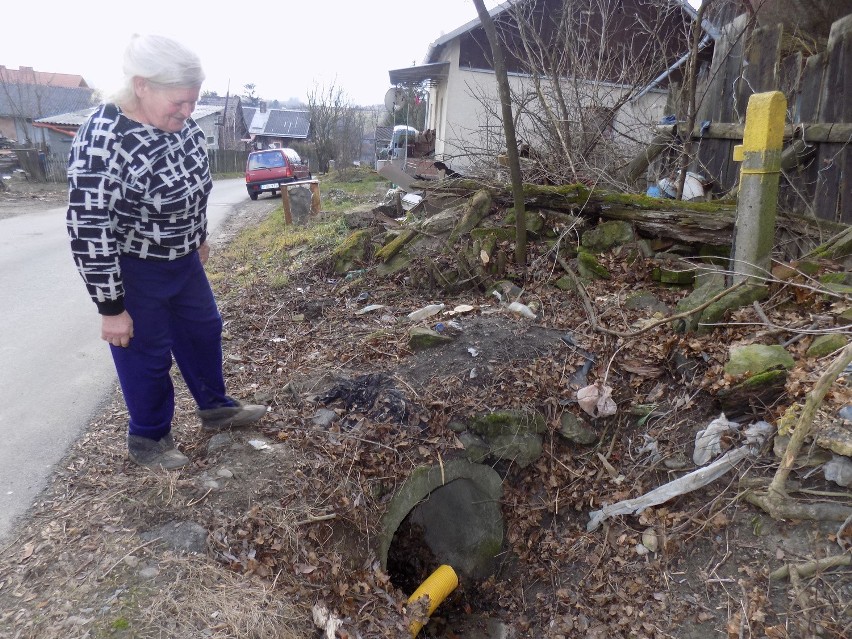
337	126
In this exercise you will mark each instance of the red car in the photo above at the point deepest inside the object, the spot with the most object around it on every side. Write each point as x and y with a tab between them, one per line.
267	170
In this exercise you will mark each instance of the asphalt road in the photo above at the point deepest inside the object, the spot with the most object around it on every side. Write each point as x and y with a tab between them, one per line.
55	371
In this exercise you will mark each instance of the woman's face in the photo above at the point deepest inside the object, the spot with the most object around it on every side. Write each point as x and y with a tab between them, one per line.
166	108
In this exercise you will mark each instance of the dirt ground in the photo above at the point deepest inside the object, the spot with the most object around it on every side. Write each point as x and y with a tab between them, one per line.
21	196
287	514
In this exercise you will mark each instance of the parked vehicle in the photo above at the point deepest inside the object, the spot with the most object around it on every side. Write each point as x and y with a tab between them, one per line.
267	170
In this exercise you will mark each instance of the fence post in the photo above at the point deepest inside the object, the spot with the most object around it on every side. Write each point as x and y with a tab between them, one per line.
760	154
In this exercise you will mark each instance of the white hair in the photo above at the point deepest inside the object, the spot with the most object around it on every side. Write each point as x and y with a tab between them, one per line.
159	60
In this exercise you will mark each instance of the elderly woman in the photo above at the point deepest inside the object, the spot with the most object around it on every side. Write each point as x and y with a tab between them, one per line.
138	185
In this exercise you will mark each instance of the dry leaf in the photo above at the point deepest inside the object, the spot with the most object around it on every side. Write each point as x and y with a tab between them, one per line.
27	551
304	569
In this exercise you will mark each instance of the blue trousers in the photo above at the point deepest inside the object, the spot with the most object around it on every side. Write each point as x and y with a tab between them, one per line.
174	314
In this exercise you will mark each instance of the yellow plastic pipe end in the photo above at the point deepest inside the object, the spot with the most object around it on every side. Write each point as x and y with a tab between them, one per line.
437	586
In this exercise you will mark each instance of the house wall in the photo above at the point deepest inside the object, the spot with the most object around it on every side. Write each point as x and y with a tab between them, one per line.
7	127
466	114
211	131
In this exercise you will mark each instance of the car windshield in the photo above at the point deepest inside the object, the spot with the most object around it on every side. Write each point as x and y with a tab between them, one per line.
266	160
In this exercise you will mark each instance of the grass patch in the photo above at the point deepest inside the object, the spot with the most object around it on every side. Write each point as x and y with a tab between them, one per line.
270	250
341	190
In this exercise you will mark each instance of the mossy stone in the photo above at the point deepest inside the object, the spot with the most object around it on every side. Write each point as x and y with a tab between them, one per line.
758	358
508	422
352	251
826	344
607	235
420	338
565	283
589	267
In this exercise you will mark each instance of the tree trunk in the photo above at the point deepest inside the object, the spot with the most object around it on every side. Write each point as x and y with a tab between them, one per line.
509	131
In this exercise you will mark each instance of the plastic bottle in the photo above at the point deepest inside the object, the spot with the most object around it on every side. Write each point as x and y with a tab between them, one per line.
426	311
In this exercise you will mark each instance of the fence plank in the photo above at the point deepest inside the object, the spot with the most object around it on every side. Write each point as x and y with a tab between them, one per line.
833	201
718	103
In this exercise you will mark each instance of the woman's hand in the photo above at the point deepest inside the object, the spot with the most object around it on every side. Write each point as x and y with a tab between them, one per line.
117	329
204	252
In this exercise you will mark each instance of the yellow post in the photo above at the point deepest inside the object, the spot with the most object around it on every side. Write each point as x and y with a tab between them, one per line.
760	154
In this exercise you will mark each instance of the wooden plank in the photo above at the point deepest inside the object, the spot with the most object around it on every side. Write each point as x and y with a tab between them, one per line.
799	196
840	132
763	52
790	81
833	201
714	156
708	160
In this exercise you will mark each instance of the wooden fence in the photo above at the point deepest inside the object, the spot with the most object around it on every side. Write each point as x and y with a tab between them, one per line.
43	167
817	160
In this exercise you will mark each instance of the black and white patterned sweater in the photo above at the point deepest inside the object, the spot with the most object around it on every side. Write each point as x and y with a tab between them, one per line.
133	190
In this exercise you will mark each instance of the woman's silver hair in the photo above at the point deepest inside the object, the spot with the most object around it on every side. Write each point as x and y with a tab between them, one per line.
159	60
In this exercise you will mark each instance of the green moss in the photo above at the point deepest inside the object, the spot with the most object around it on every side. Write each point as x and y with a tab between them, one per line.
766	378
494	234
120	624
395	245
351	251
509	422
589	266
833	278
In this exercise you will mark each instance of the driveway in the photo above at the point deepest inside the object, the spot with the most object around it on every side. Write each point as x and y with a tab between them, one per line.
56	373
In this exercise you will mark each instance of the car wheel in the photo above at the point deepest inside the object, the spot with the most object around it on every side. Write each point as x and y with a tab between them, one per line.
253	195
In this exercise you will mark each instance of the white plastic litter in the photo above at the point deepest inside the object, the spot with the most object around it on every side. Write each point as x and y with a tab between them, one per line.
369	309
597	400
426	311
326	620
522	309
839	470
755	436
708	441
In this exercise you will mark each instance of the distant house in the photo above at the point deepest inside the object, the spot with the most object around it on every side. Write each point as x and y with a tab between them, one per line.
464	108
27	95
270	128
59	130
228	131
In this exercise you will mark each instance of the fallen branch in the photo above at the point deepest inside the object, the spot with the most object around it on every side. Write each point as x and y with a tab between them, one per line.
809	568
587	305
776	501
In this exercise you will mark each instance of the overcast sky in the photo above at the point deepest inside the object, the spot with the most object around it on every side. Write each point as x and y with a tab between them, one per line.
283	47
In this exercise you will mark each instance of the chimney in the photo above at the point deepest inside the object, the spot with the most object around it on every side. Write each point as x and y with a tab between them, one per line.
262	106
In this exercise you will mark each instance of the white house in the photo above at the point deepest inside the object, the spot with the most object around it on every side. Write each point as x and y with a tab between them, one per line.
598	100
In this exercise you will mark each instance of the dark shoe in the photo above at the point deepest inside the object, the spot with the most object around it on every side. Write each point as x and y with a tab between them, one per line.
231	416
156	454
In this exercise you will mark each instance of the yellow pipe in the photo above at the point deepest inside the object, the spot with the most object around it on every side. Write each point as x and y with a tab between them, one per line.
437	587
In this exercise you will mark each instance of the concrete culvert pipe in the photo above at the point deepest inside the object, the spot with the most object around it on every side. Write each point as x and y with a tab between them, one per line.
457	505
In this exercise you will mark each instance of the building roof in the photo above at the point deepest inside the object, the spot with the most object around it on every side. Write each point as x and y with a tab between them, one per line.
75	119
431	73
204	110
434	49
27	75
248	115
283	123
40	101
